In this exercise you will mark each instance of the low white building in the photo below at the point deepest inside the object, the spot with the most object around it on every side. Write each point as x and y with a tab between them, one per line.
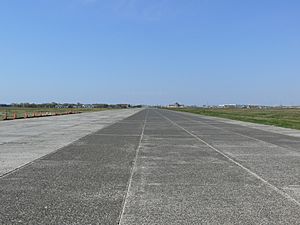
176	105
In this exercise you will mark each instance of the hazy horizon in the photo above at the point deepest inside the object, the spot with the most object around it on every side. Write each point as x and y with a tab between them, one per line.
158	52
170	103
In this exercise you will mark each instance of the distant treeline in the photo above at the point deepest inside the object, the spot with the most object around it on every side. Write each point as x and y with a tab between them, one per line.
69	105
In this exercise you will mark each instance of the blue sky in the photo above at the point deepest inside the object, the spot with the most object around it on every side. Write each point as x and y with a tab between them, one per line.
150	51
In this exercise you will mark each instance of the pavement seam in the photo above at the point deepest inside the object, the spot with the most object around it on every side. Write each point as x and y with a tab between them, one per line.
133	169
242	135
253	125
50	153
274	188
117	135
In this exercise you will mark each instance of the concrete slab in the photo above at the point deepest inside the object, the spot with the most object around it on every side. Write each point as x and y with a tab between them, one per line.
160	167
22	141
186	181
82	183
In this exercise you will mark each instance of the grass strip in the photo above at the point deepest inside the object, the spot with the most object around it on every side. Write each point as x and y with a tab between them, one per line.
288	118
19	113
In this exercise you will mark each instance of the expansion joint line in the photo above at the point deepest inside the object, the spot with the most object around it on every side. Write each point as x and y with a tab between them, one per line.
133	169
271	186
233	132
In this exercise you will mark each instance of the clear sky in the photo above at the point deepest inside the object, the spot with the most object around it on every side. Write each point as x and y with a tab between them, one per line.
150	51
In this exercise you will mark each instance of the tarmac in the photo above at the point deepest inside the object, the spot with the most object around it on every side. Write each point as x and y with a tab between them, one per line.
160	167
24	140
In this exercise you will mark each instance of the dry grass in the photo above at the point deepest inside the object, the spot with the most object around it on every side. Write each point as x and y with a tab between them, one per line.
20	112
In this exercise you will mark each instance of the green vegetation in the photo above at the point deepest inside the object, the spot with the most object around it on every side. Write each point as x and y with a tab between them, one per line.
289	118
37	112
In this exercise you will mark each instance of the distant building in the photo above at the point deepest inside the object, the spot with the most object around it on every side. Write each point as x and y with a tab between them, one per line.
176	105
227	106
237	106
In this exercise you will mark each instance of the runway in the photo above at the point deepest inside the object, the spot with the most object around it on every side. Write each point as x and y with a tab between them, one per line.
160	167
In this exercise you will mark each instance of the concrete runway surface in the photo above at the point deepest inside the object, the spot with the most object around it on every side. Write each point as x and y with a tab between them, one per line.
22	141
160	167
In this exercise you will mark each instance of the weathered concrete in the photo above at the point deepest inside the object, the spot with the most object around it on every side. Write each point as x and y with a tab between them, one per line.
22	141
196	170
161	167
82	183
273	129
